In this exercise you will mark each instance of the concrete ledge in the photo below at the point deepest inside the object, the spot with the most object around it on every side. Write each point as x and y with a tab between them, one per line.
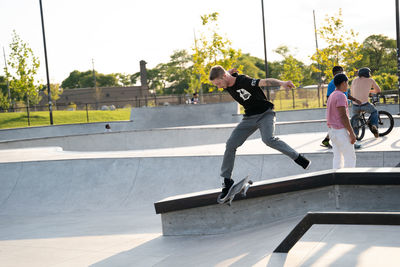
258	189
363	176
359	189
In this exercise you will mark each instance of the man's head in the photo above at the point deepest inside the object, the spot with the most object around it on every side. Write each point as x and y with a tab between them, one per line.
364	72
336	70
340	82
218	76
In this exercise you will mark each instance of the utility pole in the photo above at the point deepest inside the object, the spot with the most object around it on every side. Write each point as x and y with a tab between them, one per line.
265	47
398	49
8	85
319	68
200	88
47	66
95	86
94	74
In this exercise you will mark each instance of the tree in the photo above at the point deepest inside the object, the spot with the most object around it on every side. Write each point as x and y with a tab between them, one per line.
252	66
155	78
21	72
292	68
178	73
4	103
123	79
386	81
77	79
342	48
212	49
73	80
379	54
55	89
173	77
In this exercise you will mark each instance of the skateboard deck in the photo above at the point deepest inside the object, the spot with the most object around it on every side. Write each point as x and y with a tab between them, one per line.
242	185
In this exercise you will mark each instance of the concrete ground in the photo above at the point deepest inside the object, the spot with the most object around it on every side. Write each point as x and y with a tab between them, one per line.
303	142
65	208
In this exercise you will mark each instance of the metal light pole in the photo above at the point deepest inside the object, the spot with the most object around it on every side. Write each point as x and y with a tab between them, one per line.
47	67
398	48
265	46
316	46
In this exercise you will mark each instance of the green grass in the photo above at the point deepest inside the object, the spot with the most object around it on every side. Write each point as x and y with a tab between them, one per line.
41	118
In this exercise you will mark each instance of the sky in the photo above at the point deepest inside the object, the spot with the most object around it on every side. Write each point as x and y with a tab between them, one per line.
118	34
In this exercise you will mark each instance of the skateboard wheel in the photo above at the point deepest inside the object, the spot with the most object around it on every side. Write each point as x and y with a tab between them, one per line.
250	182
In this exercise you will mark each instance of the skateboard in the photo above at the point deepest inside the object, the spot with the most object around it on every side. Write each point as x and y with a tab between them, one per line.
242	185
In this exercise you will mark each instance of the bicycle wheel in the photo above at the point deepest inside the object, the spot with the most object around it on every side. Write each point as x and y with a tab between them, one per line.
385	123
358	125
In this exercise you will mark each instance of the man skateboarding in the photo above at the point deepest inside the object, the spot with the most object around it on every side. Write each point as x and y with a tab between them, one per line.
259	114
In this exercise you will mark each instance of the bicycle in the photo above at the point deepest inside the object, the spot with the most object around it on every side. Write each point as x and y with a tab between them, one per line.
359	121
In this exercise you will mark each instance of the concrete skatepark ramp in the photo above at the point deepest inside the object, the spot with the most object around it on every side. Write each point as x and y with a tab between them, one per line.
60	207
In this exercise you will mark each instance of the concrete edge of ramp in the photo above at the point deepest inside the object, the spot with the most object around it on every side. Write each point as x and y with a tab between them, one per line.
354	218
155	138
358	189
72	183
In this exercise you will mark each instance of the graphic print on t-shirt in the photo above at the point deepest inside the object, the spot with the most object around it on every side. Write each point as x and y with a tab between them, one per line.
245	95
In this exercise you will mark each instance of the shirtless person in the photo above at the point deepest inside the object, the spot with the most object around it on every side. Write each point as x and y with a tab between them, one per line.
361	87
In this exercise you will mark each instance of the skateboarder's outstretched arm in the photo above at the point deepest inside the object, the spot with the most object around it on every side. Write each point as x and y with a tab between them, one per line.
269	81
276	82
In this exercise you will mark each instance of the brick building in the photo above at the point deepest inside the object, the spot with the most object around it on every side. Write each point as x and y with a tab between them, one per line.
97	97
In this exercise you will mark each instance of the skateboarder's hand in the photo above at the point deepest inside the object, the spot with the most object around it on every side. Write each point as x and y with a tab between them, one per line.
352	138
287	84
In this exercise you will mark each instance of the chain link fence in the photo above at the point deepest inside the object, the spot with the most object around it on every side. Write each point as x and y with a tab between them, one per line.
283	99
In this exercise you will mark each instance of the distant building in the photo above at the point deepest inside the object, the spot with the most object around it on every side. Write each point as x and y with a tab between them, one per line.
117	96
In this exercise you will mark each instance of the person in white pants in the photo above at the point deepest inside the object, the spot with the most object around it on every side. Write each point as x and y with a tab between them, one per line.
340	130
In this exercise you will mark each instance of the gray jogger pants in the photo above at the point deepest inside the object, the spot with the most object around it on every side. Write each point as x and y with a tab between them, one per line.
266	123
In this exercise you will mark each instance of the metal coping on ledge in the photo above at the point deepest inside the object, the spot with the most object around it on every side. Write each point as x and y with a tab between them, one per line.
356	176
356	218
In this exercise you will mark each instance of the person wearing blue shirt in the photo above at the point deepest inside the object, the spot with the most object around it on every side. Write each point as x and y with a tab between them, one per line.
331	87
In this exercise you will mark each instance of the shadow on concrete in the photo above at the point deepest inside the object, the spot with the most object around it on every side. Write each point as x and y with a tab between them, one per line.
255	246
242	248
345	252
339	246
373	142
396	145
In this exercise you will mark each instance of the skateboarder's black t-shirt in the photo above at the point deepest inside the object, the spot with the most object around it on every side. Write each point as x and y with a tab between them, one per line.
247	92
